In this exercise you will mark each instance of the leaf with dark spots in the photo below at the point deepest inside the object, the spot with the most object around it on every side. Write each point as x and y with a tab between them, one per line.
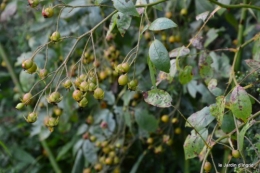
194	144
158	98
200	119
240	103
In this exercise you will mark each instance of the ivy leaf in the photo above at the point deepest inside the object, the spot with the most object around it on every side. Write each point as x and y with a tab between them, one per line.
200	119
212	86
159	56
180	51
125	6
194	144
217	110
145	120
185	75
241	105
158	98
123	22
161	24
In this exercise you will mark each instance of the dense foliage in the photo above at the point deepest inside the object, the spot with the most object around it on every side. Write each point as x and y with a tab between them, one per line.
129	86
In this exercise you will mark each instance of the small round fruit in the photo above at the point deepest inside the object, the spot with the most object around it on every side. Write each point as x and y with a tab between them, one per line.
132	85
165	118
32	69
90	119
33	3
83	86
177	131
93	138
55	36
123	79
43	73
32	117
177	38
87	170
175	120
103	125
109	161
147	35
99	94
55	97
83	102
172	39
57	111
27	98
51	122
28	63
184	12
207	166
77	95
149	141
98	167
77	82
125	67
168	14
235	154
102	75
19	106
67	84
47	12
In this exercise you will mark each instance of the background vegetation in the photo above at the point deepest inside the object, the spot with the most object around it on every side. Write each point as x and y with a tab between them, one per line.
195	107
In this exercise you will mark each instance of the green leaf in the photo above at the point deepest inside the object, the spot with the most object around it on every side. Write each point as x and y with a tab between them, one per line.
200	119
127	97
241	135
79	162
26	80
212	86
241	105
256	50
161	24
212	34
205	68
145	120
159	56
89	152
123	22
228	123
217	110
158	98
112	24
97	2
185	75
66	148
194	144
126	6
137	163
22	155
158	6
